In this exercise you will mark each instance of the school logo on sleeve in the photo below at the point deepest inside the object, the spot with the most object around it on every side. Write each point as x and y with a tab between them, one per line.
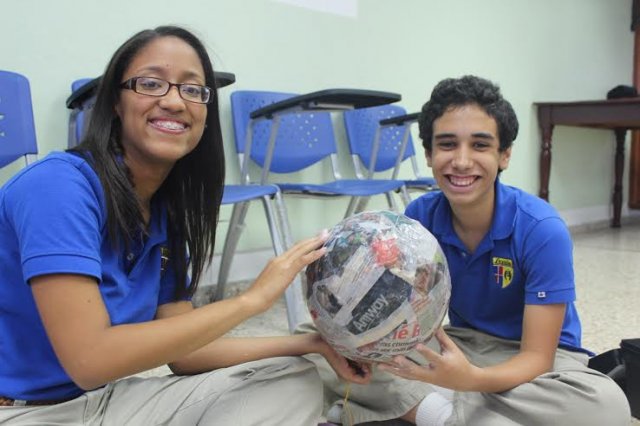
503	271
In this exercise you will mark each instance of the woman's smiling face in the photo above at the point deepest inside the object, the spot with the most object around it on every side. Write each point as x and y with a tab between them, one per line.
158	131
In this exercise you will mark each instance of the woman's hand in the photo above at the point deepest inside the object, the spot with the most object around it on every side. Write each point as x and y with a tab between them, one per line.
281	270
449	369
348	370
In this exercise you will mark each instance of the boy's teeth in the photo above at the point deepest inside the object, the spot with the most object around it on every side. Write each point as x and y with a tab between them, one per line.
462	181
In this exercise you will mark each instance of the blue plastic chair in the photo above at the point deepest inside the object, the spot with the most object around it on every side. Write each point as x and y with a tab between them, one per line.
302	139
17	129
240	196
80	102
376	147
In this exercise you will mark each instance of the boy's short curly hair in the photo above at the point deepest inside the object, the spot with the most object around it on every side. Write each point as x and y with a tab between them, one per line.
468	90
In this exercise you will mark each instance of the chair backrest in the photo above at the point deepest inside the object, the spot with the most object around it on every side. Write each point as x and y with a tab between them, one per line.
81	108
361	126
303	138
17	129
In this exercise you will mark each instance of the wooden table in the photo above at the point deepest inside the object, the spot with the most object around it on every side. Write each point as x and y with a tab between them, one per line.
618	115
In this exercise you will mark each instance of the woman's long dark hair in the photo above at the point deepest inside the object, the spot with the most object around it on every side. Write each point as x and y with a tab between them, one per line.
192	192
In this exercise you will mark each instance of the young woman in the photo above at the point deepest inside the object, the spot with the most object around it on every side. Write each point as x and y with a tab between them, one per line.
96	245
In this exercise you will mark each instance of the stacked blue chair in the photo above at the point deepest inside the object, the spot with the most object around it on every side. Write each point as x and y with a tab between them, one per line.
240	196
288	144
80	102
302	139
17	129
380	140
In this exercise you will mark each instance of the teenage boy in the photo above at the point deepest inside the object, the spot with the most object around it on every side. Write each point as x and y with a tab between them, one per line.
512	352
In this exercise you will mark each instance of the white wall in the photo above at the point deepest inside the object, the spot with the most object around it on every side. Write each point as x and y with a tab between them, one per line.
545	50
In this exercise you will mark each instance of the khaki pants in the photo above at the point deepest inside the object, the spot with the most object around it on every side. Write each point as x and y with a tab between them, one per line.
571	394
275	391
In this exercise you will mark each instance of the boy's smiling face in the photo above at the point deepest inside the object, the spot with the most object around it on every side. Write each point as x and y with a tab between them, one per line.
465	156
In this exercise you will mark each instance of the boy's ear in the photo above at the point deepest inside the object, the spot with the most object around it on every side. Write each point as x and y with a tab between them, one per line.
505	157
427	155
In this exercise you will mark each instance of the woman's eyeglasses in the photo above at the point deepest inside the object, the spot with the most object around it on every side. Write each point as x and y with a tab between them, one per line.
152	86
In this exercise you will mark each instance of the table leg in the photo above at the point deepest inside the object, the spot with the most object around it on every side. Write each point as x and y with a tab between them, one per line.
619	170
545	162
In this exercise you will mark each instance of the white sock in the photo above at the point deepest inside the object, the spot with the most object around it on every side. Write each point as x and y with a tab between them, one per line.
334	415
447	393
434	409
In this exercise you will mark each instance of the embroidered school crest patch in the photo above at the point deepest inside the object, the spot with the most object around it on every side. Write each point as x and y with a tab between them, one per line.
503	271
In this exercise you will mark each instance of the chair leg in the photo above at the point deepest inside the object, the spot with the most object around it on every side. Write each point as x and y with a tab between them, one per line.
391	202
362	204
353	203
297	311
404	194
283	220
277	238
236	225
356	205
73	124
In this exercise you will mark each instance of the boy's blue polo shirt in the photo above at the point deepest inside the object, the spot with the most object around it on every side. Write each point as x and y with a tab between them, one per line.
525	258
53	220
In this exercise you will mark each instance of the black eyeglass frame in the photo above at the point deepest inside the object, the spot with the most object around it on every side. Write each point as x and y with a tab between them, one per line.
130	84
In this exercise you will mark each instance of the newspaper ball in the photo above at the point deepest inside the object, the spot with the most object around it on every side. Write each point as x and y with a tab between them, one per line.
382	287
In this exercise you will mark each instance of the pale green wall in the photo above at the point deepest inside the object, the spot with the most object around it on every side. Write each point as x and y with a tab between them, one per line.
543	50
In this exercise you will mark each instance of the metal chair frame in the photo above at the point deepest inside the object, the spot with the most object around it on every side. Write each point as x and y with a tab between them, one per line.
289	105
394	117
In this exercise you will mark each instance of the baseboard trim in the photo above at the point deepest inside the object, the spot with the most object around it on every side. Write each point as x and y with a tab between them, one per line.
596	217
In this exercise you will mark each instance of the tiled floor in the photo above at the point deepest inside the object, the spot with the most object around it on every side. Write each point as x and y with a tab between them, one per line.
607	269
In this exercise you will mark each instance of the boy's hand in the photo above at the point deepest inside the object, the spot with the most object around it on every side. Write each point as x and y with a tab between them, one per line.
448	369
349	370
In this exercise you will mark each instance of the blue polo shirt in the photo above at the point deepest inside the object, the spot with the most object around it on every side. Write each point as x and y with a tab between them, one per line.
525	258
53	220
